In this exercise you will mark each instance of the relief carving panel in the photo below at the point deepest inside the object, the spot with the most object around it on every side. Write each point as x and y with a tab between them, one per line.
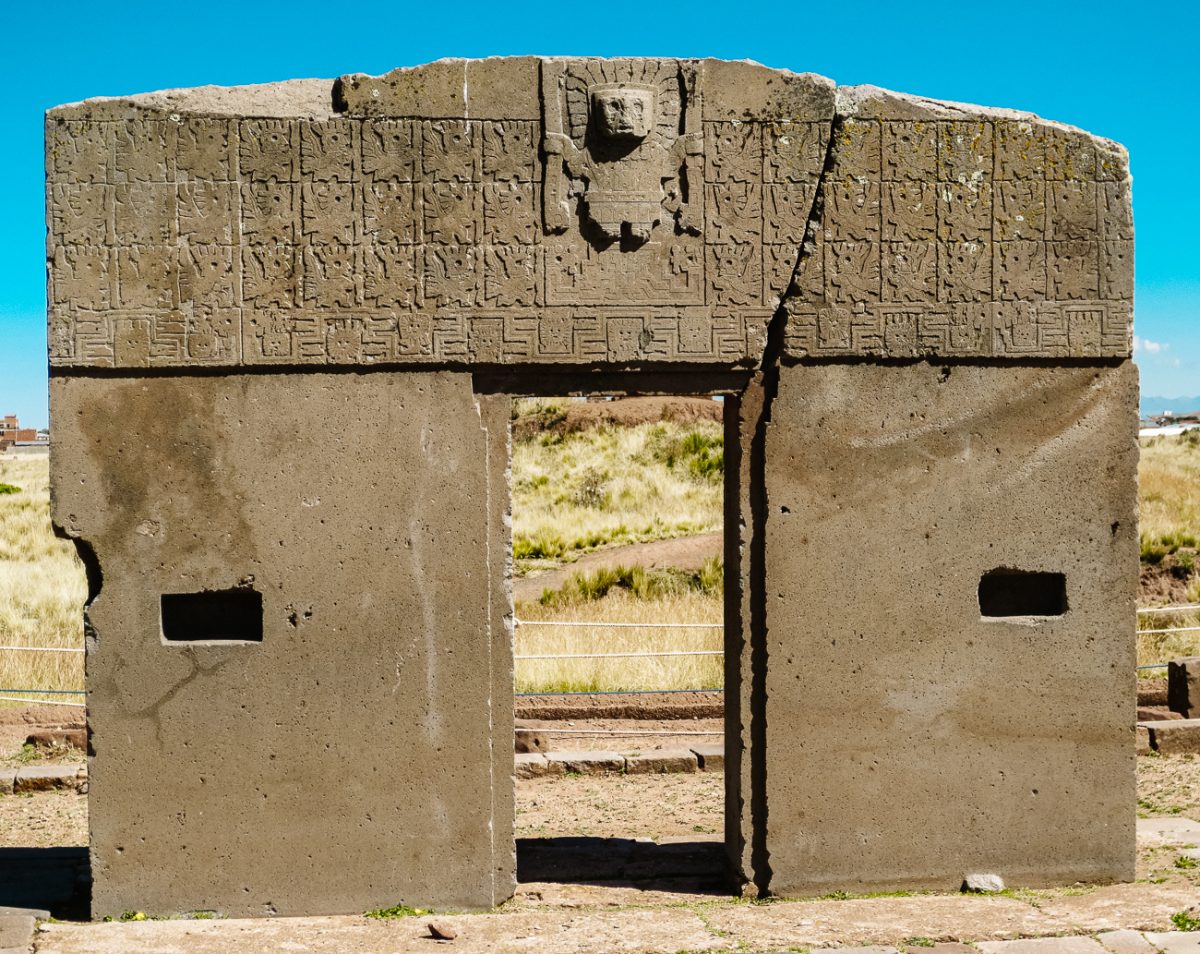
635	212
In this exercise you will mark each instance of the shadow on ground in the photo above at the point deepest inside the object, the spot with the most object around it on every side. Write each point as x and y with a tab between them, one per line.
57	880
693	866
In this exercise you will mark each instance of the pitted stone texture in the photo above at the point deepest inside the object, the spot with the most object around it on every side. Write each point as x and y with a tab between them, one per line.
237	778
424	225
953	230
873	621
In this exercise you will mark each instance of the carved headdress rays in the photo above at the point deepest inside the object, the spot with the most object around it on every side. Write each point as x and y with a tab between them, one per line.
661	76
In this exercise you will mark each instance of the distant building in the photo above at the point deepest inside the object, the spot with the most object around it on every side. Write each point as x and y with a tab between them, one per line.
1168	424
11	432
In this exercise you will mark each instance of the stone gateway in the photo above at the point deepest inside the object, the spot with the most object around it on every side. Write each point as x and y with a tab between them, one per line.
285	323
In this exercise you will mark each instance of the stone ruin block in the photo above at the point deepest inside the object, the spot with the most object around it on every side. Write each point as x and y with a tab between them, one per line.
284	324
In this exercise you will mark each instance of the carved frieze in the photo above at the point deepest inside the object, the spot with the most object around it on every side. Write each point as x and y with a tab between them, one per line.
600	211
979	237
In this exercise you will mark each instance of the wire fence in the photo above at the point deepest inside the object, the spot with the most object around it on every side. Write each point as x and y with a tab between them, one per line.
598	624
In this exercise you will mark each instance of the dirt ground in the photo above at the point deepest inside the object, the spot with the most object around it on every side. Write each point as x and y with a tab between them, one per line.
1168	786
685	807
43	820
683	553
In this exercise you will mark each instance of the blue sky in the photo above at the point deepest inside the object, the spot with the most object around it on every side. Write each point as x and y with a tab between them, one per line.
1126	72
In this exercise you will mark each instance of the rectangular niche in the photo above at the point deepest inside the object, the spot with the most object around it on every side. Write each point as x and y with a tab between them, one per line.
1005	592
213	616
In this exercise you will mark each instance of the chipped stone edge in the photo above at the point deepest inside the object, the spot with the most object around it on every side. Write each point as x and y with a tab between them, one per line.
876	102
314	98
286	99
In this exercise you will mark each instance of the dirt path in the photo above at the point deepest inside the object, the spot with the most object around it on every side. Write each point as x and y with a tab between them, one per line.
684	553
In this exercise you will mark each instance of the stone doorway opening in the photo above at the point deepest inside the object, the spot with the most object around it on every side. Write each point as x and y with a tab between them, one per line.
618	509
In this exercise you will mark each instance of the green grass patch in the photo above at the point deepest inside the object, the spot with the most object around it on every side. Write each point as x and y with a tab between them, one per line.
397	911
1186	921
9	489
637	582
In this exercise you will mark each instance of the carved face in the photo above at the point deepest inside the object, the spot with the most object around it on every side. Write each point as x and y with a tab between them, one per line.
623	113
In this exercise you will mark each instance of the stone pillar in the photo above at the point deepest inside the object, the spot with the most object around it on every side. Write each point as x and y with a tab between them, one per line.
345	754
908	741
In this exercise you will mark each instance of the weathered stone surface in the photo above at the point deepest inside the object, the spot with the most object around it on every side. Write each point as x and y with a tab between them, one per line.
1156	714
657	763
588	763
955	230
435	218
1154	695
1142	740
1175	736
349	536
536	765
1168	831
16	932
531	740
1175	942
7	777
983	882
1126	942
46	778
48	738
1043	945
940	696
498	222
1183	686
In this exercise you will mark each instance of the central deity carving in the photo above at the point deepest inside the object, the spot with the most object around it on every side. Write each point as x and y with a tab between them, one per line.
618	140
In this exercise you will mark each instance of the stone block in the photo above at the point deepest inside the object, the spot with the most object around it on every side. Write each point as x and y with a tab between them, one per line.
347	536
1175	737
531	740
588	763
49	738
888	667
1126	942
1153	695
7	777
46	778
1159	832
1183	686
1043	945
1156	714
16	932
1142	740
1175	942
535	765
661	762
710	757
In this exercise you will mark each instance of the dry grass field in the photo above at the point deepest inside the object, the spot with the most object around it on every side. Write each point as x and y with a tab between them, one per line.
607	486
42	585
573	493
1169	505
637	672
